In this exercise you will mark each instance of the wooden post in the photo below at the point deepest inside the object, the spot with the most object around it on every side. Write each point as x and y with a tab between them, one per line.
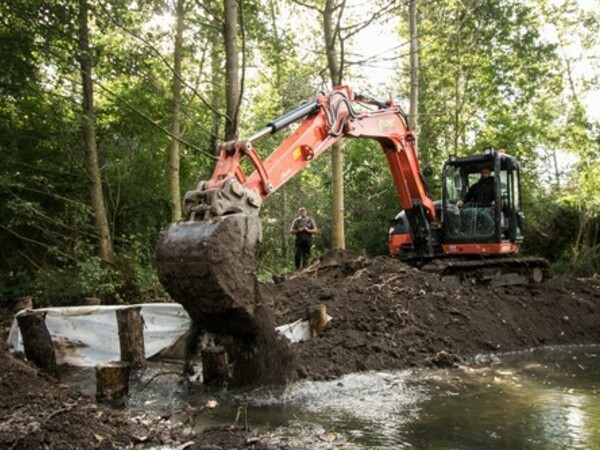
92	301
215	371
23	303
112	382
131	336
37	341
317	319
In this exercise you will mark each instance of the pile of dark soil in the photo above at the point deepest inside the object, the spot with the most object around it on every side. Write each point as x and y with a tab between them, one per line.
386	316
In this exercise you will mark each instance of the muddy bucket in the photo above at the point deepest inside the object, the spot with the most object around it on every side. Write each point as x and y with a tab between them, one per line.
207	266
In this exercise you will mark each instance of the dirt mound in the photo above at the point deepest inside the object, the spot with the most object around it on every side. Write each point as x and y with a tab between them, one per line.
387	315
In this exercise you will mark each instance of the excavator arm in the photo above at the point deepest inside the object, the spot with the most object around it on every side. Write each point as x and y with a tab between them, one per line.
326	120
205	261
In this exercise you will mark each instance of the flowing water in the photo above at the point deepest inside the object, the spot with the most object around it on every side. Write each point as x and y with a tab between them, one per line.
543	398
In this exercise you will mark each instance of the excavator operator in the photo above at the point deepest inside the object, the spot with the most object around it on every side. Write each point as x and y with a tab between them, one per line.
482	192
477	215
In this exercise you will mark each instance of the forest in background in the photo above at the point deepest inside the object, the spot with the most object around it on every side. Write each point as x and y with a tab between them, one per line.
111	110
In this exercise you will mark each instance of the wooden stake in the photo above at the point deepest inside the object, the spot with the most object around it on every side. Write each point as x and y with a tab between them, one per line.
131	336
215	371
37	341
112	382
23	303
92	301
317	319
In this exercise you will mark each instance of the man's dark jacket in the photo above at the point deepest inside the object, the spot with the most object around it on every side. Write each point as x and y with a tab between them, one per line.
481	192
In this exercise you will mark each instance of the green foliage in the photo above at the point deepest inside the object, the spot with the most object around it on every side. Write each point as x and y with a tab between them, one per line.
488	77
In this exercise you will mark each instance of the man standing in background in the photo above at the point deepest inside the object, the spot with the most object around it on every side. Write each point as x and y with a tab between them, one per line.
303	227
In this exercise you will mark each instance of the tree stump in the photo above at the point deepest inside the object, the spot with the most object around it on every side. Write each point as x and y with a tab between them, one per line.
317	319
131	336
112	382
23	303
92	301
215	371
37	341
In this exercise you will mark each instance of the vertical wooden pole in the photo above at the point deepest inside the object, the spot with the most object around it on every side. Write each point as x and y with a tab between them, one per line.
112	382
92	301
317	319
215	371
23	303
131	336
37	341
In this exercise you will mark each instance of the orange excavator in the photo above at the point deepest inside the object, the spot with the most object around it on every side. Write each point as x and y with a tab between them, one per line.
205	261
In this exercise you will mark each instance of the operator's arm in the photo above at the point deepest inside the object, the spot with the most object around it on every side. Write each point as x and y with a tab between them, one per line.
312	227
468	197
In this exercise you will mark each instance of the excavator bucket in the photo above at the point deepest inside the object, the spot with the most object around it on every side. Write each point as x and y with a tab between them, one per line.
207	266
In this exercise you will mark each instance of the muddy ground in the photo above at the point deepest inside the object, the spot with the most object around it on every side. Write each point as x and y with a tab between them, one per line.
386	315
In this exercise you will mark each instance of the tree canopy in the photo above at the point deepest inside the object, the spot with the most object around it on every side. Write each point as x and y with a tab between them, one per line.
514	75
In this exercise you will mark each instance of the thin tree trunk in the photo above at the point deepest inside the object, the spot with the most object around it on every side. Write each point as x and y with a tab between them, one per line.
338	237
105	248
414	69
173	165
283	204
556	169
232	69
216	75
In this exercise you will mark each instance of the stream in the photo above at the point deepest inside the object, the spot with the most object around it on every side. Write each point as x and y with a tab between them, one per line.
542	398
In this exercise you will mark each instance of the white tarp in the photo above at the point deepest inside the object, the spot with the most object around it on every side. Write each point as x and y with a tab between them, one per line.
88	335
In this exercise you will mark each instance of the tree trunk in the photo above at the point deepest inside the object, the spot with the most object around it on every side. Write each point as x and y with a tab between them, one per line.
216	90
105	248
414	69
173	169
232	69
338	237
284	227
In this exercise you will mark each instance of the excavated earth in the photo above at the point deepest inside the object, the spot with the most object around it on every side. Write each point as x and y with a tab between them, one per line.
385	315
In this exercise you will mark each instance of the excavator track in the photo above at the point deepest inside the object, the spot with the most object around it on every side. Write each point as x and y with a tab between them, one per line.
501	271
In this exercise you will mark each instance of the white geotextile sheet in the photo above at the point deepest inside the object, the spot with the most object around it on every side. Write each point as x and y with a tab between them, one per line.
88	335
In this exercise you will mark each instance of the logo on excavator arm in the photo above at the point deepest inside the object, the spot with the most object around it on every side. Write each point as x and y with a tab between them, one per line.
386	123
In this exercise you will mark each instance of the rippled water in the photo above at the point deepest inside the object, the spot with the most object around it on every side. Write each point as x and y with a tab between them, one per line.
544	398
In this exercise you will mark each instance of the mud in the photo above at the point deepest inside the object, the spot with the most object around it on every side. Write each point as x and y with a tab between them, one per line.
387	315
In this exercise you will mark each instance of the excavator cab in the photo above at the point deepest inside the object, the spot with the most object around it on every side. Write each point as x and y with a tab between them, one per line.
485	228
497	220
